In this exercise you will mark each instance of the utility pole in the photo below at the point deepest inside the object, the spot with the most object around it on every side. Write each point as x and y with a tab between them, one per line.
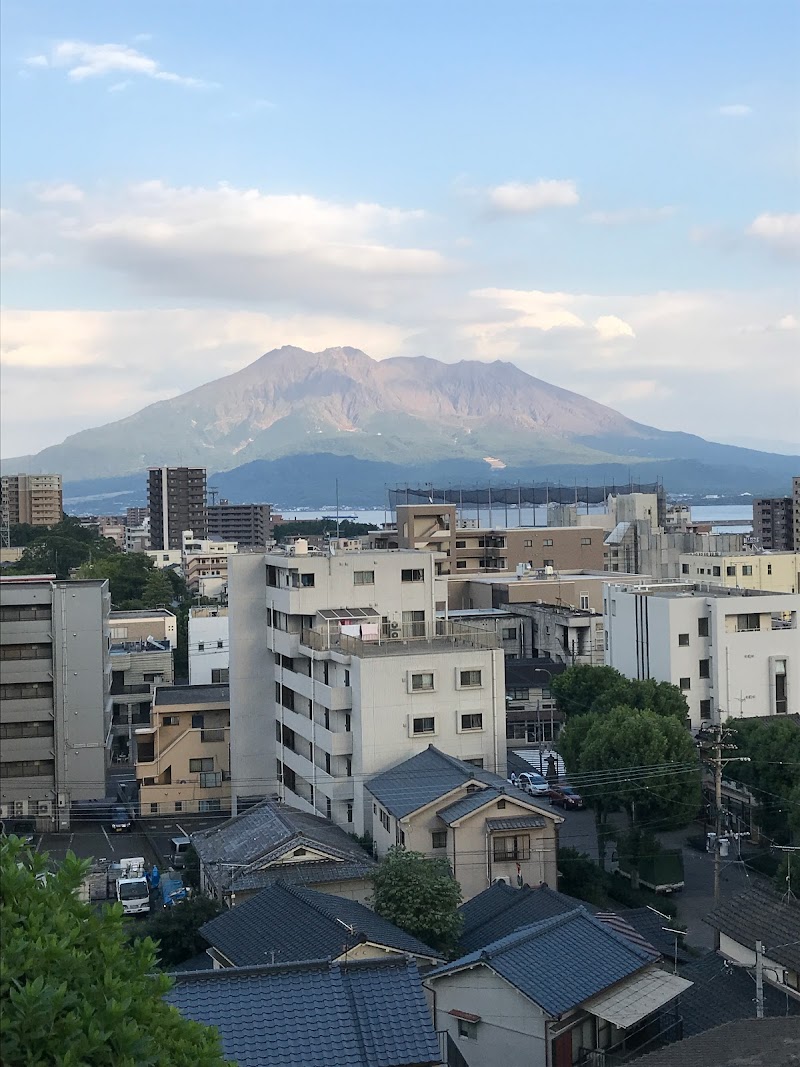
759	980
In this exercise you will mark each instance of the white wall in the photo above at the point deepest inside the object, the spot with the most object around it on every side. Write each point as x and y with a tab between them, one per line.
208	647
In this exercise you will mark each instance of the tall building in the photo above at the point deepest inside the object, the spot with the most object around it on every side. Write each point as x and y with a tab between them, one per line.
733	652
358	675
35	499
176	500
249	524
773	522
796	512
55	707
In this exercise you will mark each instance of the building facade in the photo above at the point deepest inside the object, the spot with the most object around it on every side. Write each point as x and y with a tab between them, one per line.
732	652
176	501
208	645
137	667
35	499
143	624
774	521
774	572
248	524
55	711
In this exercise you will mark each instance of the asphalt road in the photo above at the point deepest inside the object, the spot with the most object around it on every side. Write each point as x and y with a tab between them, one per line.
90	839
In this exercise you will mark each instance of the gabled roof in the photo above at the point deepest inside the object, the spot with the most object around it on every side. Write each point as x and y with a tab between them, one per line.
651	926
287	923
371	1013
560	962
500	910
423	778
759	913
235	851
467	804
750	1043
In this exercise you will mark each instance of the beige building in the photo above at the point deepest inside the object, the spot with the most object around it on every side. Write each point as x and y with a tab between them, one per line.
446	809
183	757
775	572
35	499
144	623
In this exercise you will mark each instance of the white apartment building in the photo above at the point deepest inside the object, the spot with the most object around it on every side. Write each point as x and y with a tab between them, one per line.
208	645
339	669
732	652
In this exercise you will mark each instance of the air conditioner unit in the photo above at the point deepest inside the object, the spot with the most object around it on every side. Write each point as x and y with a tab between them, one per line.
501	881
44	807
394	629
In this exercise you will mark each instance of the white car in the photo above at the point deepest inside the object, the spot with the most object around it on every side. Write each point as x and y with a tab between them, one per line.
535	785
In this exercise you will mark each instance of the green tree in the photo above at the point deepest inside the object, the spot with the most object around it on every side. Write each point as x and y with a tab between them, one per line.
773	772
22	533
579	877
72	992
158	591
176	929
127	575
578	689
420	896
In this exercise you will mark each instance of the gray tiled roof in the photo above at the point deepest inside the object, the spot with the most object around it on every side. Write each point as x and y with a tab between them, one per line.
651	927
722	993
750	1043
760	914
560	962
500	910
424	778
310	874
516	822
467	804
191	694
285	923
235	851
371	1013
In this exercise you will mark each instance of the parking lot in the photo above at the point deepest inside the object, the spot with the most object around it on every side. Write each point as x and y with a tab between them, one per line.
93	839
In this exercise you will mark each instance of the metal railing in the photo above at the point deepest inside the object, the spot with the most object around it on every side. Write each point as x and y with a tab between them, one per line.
413	637
652	1035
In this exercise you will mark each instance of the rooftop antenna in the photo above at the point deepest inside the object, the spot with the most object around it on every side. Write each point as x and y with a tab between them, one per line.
213	492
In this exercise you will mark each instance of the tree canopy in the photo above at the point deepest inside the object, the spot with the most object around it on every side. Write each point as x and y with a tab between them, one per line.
419	895
582	690
127	574
175	929
773	773
61	548
73	993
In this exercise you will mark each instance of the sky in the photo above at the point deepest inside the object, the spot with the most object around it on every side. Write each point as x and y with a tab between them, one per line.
605	194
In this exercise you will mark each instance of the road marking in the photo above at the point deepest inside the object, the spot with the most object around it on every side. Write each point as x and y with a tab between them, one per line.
39	842
108	839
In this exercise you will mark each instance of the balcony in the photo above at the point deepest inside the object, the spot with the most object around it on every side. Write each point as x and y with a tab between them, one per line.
440	637
126	690
212	735
336	698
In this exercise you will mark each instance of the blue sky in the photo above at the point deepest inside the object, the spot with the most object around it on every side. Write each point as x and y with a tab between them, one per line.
605	194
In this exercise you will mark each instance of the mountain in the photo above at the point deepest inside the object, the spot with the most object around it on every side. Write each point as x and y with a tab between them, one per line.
406	412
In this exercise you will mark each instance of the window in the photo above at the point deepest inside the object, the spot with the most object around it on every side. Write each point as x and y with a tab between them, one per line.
584	602
702	627
781	692
210	779
307	581
204	763
470	679
467	1029
348	768
349	811
424	725
415	575
179	805
461	544
37	768
461	564
472	722
548	542
421	682
25	652
517	848
413	624
527	544
730	572
363	577
26	729
327	763
197	721
747	570
37	613
385	820
769	568
27	691
209	805
439	839
501	804
328	808
510	633
745	623
586	540
220	643
686	683
716	572
683	640
201	646
477	761
347	679
154	809
705	709
219	674
547	562
705	668
684	568
171	720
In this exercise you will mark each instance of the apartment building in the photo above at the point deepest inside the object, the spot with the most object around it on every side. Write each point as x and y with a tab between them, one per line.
248	524
183	758
732	652
55	711
160	624
176	501
796	513
358	675
774	521
774	572
208	645
137	667
36	499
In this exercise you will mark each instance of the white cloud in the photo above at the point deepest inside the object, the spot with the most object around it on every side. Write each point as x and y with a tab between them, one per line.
518	198
61	193
735	111
629	216
610	327
788	322
781	232
83	60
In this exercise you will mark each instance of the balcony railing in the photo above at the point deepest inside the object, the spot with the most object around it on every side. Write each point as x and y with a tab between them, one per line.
212	735
652	1035
414	637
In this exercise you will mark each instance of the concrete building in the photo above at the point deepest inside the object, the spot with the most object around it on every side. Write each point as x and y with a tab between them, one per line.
732	652
183	757
796	512
137	537
143	624
774	572
55	711
35	499
248	524
137	667
774	521
176	500
363	676
208	645
581	589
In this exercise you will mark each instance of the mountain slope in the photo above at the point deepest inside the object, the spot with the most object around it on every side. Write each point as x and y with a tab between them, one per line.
402	411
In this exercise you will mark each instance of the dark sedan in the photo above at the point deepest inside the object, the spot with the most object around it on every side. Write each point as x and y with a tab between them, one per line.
564	796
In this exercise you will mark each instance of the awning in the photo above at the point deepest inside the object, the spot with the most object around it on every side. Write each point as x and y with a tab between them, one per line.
630	1002
467	1016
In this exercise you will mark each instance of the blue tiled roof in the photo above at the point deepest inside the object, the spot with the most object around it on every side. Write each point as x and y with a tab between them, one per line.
467	804
371	1013
286	923
424	778
500	910
560	962
722	993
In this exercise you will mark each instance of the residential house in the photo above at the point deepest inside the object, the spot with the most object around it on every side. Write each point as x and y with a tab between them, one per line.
272	842
448	809
564	991
368	1013
208	645
751	1042
183	757
287	923
760	913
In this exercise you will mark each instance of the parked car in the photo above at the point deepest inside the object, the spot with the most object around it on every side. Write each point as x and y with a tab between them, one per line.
535	785
564	796
121	821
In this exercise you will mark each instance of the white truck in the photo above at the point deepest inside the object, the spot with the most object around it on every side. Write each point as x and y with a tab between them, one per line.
127	882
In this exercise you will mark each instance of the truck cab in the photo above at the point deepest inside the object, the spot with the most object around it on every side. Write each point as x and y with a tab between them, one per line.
131	887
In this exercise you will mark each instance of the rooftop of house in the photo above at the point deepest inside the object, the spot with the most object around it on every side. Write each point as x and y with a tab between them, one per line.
538	576
369	1013
287	923
141	613
746	1043
585	958
191	694
705	590
424	778
237	852
759	913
